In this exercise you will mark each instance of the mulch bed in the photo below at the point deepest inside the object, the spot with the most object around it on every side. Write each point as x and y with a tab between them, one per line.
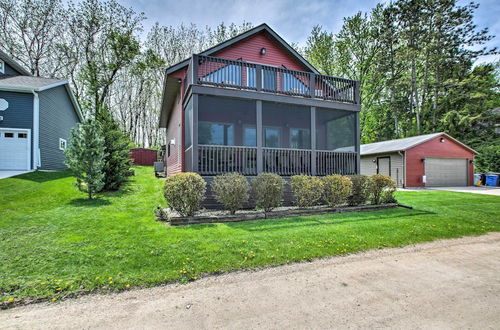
216	216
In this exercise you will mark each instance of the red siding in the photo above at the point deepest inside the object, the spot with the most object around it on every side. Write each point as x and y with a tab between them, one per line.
143	157
174	163
249	50
415	167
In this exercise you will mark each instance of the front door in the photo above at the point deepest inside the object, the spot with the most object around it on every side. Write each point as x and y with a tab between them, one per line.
384	165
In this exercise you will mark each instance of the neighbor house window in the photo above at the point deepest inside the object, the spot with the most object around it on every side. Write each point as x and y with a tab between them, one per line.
9	135
2	67
22	135
216	134
62	144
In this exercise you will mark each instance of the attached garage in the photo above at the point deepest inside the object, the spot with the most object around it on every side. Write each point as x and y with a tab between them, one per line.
432	160
15	149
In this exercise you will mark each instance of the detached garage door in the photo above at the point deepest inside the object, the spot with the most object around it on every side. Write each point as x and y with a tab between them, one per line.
446	172
14	149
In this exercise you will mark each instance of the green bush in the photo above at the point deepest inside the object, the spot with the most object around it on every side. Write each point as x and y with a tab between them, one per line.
231	190
337	189
268	190
488	159
184	192
381	189
360	191
307	190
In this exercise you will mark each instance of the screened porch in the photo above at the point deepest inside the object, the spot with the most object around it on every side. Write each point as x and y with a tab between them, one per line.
251	136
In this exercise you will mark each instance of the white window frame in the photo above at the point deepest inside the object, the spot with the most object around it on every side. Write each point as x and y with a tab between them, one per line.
65	144
2	66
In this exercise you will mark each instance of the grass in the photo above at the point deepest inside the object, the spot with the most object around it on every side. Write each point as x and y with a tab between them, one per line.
54	243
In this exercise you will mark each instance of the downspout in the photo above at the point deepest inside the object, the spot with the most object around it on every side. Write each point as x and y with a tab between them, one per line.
36	131
403	155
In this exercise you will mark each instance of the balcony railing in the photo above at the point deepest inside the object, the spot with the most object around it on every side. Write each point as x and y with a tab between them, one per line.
214	71
213	160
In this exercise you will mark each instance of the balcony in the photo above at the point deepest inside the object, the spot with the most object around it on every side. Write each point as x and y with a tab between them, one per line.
235	74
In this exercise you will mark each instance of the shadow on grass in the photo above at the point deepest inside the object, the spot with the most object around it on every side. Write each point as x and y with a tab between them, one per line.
42	176
323	220
85	202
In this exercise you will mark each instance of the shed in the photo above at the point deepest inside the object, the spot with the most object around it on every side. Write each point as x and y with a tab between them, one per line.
143	156
430	160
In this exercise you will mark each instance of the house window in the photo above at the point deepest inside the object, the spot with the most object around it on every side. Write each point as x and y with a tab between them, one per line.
9	135
229	75
272	137
293	84
300	138
269	80
62	144
216	134
249	136
2	67
22	135
168	150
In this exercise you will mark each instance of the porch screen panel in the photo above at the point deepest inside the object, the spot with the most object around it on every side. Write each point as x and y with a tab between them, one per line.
335	130
286	126
188	123
226	121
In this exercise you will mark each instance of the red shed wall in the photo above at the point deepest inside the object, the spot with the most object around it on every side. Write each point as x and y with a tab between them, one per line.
174	131
143	157
415	167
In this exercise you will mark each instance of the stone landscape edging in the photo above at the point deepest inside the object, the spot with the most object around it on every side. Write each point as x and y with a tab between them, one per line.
199	219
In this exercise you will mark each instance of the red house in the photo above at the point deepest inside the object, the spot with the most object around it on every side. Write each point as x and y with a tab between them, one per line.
430	160
253	104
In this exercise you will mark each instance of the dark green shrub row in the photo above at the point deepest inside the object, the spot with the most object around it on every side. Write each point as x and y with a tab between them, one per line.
184	192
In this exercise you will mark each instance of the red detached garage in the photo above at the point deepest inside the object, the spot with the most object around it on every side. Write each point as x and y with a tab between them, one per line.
430	160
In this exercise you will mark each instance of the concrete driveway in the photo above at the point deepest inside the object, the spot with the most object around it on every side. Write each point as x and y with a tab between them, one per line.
7	174
484	190
448	284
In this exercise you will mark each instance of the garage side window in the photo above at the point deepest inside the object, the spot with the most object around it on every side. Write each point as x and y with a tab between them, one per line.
62	144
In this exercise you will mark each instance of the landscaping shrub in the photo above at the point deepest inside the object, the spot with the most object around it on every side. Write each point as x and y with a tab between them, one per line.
337	189
184	192
118	164
268	190
85	156
231	190
307	190
381	189
360	190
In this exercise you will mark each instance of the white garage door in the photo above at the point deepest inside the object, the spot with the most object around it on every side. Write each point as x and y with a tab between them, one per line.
14	149
446	172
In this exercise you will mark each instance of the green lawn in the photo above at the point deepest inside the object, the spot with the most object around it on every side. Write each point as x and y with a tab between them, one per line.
54	243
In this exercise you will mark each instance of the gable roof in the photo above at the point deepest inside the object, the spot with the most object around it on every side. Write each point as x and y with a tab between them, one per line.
241	36
403	144
16	66
31	84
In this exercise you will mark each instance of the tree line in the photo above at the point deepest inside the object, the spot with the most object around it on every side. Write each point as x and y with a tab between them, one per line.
415	64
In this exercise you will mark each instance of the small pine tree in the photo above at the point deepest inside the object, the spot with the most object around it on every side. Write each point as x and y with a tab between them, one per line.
85	157
117	144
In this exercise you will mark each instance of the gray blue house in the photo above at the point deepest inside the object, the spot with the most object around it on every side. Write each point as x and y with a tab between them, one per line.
36	118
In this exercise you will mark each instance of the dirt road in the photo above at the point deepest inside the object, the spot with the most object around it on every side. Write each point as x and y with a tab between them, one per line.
443	284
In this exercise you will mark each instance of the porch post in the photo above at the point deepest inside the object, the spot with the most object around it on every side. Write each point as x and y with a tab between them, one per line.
313	140
194	69
258	109
194	135
357	141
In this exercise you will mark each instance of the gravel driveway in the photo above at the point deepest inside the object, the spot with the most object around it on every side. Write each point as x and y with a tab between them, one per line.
443	284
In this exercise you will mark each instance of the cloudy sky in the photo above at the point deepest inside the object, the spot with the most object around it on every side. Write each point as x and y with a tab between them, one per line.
292	19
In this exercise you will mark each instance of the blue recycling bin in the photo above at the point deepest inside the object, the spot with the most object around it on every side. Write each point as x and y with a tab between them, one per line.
492	180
